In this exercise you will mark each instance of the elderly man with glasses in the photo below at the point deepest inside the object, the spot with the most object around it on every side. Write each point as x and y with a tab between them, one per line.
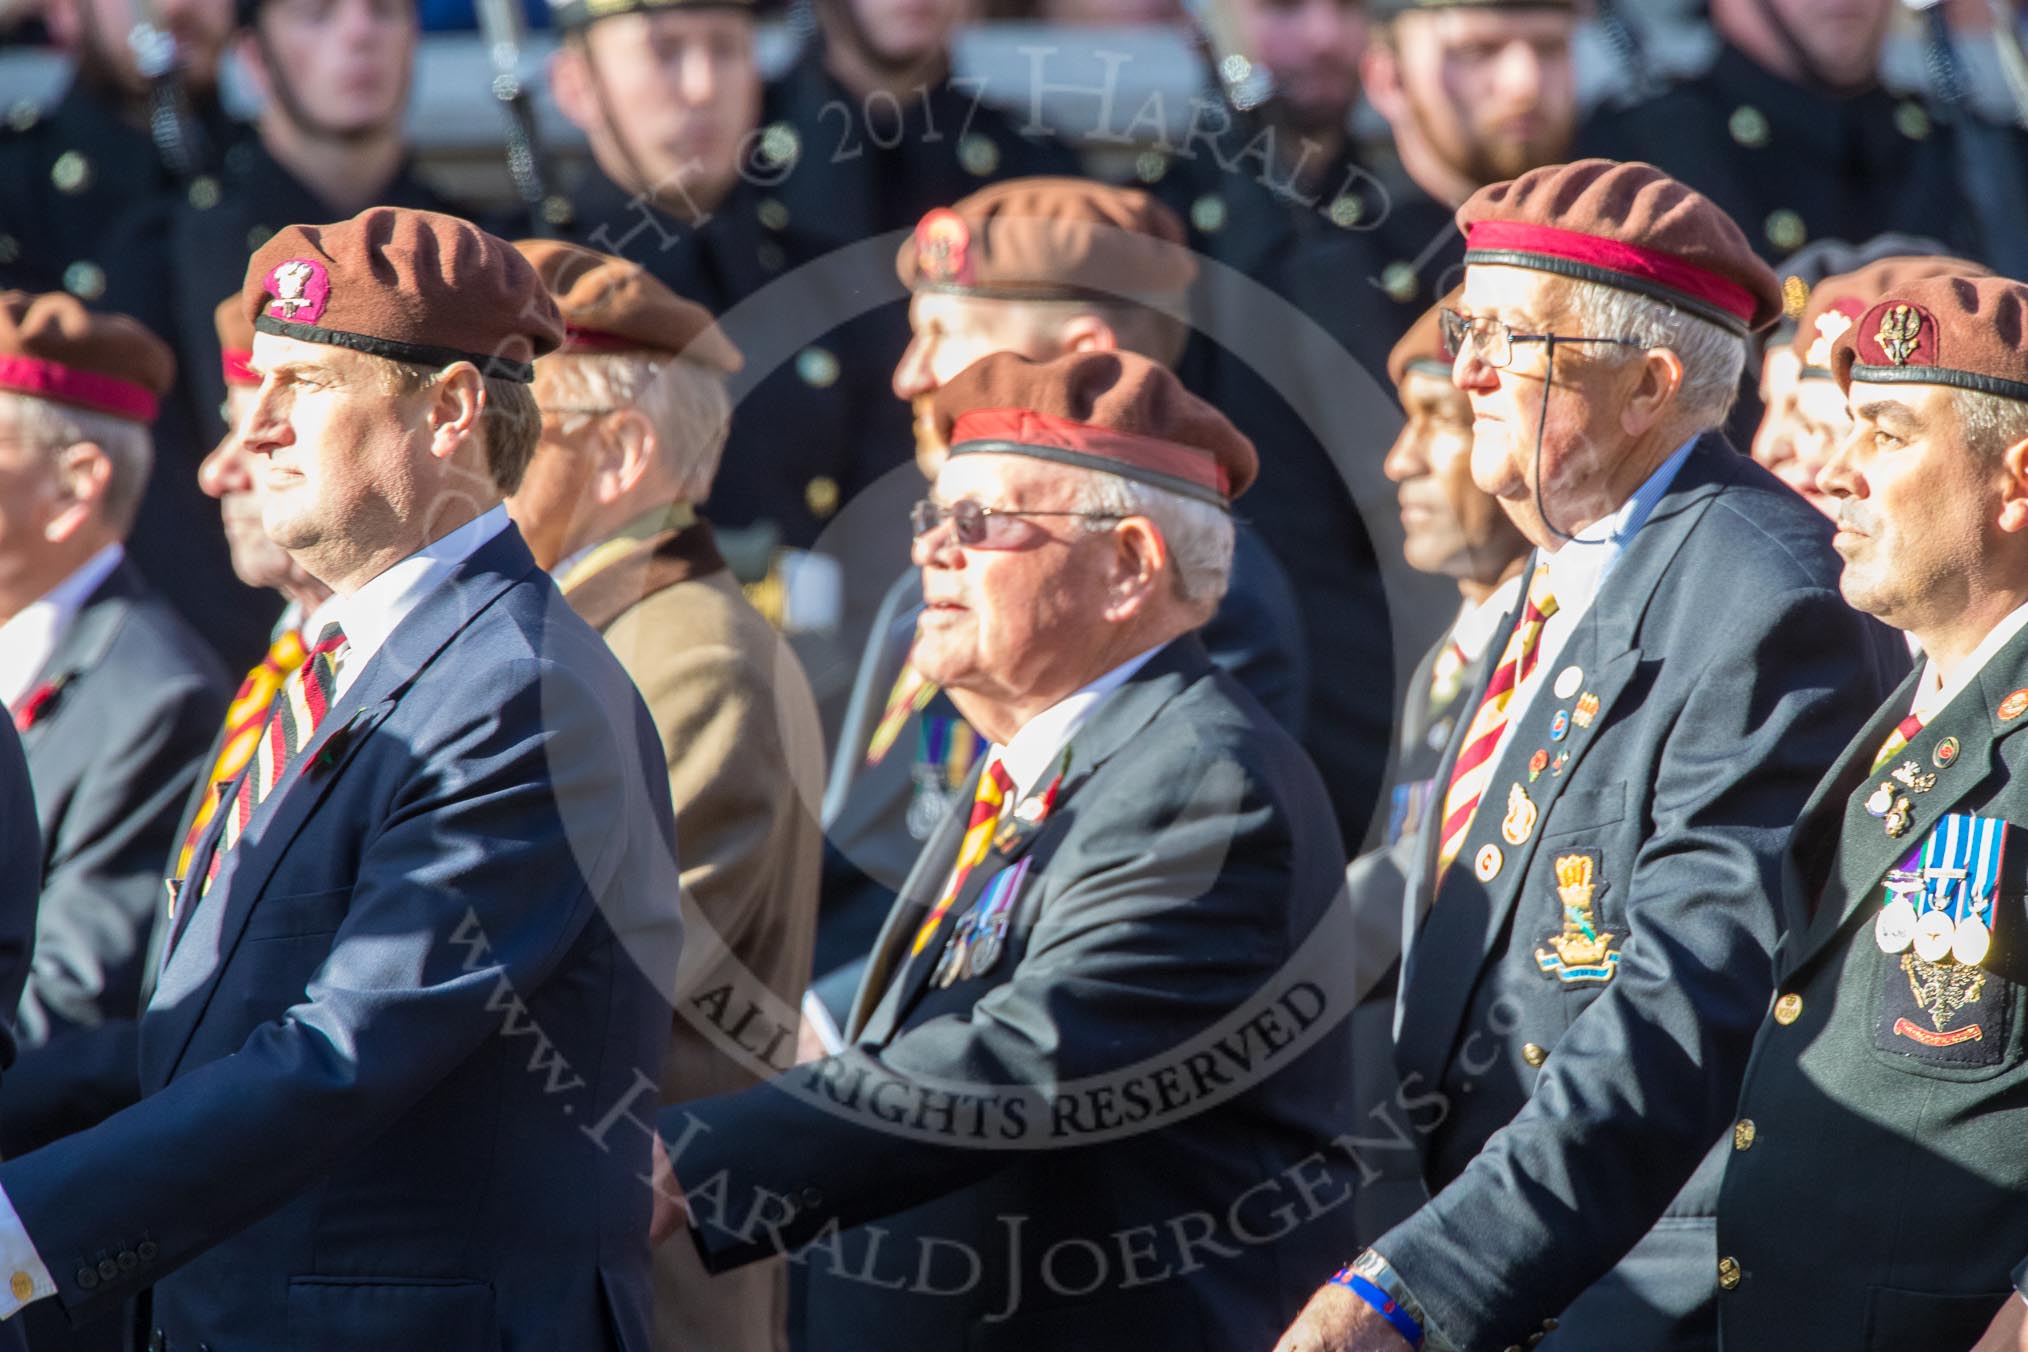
1098	1055
1590	913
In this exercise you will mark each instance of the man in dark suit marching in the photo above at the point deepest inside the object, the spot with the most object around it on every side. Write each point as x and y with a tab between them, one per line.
1894	1050
1029	1128
1592	952
407	962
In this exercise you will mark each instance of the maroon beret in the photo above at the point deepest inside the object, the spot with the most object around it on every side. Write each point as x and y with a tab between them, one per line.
1629	226
611	305
1422	347
1836	303
410	286
1118	412
52	347
235	342
1050	239
1968	332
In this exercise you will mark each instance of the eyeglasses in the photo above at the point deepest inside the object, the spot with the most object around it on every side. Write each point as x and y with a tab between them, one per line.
979	527
1494	341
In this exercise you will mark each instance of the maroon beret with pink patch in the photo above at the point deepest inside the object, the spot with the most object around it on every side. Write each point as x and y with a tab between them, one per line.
1966	332
1046	238
1117	412
53	348
1629	226
410	286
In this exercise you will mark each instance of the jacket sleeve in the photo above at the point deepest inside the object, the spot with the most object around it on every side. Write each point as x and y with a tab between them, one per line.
509	819
1170	914
102	890
1646	1079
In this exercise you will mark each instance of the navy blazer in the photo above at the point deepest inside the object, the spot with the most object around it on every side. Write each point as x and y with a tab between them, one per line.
1151	1070
1577	1007
382	1044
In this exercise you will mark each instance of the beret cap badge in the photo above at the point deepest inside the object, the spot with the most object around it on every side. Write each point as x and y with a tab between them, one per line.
1899	333
301	288
943	245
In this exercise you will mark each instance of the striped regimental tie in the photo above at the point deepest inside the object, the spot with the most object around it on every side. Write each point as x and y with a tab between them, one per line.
994	786
307	695
1475	762
1904	733
244	718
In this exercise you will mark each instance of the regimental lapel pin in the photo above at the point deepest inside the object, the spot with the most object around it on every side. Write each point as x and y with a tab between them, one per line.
1486	864
1556	766
1881	801
2014	706
1559	726
1537	763
1519	823
1580	952
1897	820
1945	754
1568	682
1908	775
1587	709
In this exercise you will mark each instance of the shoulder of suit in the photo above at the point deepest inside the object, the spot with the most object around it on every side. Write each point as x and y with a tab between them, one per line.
154	639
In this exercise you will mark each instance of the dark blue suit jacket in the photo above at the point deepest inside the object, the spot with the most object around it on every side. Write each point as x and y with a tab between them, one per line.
382	1044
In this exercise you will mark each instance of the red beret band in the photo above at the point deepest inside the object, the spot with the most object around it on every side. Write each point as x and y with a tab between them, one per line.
1193	472
68	385
1586	257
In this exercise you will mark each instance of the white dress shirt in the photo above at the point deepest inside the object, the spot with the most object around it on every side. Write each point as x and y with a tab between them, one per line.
1577	571
368	616
1932	693
30	639
1476	624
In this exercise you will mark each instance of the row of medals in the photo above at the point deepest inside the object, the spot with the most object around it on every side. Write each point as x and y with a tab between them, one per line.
1932	933
973	950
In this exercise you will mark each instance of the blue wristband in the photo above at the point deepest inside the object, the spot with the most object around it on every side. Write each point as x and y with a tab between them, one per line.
1382	1304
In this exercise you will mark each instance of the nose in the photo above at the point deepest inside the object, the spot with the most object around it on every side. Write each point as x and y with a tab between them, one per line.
697	75
225	470
937	547
1518	74
1839	478
912	373
1405	459
265	428
1471	373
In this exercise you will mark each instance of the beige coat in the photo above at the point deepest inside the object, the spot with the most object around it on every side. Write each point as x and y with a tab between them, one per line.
745	753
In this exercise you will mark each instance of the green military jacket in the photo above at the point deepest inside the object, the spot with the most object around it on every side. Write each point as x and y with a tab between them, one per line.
1876	1193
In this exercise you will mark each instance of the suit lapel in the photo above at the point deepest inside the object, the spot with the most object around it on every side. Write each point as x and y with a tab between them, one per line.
1111	726
209	929
82	646
1466	916
1863	851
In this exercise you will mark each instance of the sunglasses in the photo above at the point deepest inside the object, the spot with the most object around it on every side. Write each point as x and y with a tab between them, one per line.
979	527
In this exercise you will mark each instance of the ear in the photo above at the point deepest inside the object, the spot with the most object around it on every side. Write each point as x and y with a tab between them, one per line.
1088	333
1380	78
1653	393
253	61
2014	488
626	452
456	402
1140	563
83	472
570	79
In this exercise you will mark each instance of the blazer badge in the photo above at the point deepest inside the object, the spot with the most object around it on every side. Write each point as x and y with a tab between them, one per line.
1580	951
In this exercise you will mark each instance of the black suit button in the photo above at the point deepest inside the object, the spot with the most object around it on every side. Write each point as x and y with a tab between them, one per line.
147	1249
811	1197
88	1278
128	1261
108	1269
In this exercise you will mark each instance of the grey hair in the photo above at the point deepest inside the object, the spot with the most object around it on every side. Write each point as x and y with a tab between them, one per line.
1713	358
1989	423
509	421
128	447
687	405
1199	535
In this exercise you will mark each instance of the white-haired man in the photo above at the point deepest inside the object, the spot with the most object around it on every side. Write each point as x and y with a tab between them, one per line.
1139	857
1590	918
634	418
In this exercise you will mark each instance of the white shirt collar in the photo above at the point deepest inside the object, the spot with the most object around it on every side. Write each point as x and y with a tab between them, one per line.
370	614
1931	694
1032	752
30	639
1476	624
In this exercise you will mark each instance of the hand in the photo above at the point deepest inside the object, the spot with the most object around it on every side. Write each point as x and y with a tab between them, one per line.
1335	1320
671	1211
2009	1330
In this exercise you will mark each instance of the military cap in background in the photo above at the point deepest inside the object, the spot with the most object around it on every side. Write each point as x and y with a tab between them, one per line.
1116	412
1966	332
1837	302
1051	238
52	347
611	305
1422	348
